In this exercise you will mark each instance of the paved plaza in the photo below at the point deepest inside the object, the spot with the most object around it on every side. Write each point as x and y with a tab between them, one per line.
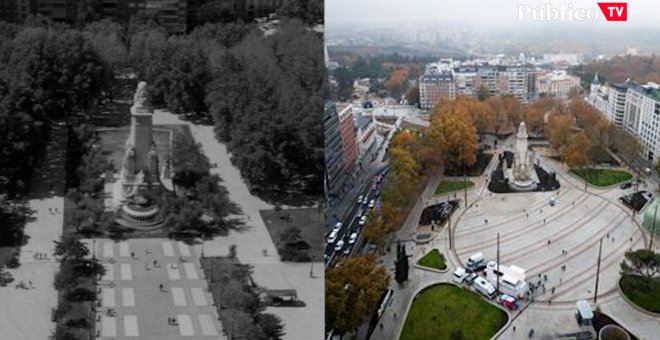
299	323
131	288
542	239
25	314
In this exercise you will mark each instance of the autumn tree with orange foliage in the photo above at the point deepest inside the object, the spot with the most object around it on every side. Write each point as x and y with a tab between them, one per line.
575	153
352	290
396	83
559	130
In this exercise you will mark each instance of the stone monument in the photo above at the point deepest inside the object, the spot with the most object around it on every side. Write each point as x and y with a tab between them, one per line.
140	158
140	166
522	175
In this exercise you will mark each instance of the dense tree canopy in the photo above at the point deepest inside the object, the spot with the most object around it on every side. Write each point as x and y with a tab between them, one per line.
352	290
264	98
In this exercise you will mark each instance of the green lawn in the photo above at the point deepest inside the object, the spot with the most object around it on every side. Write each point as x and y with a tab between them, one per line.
449	186
643	292
602	177
449	312
433	259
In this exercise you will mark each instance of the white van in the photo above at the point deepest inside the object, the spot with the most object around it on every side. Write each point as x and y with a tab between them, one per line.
459	275
384	302
484	287
475	260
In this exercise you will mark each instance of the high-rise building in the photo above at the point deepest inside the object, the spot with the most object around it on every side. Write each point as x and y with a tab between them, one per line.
556	83
633	107
448	79
348	140
436	83
334	157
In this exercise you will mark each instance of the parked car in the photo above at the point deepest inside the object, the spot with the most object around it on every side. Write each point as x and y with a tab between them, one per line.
625	185
360	212
360	198
459	275
469	280
363	220
372	203
339	245
333	237
507	301
337	227
353	238
347	251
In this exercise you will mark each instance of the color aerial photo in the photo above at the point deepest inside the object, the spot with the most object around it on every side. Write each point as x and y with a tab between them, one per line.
161	169
492	170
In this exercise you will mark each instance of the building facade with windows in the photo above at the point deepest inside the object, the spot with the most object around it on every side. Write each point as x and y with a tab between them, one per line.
334	157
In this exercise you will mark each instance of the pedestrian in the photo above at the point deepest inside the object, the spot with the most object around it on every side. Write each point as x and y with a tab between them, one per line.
574	203
50	211
608	235
486	221
560	280
381	325
545	278
160	287
631	239
155	263
553	290
544	221
548	242
180	258
514	329
132	255
527	215
549	302
612	239
394	315
169	321
30	282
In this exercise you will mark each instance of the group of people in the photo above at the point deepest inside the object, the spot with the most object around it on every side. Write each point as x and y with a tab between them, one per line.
54	211
40	256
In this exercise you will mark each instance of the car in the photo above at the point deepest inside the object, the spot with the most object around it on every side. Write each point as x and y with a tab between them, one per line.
363	220
333	237
337	227
476	268
625	185
360	212
365	201
339	245
507	301
470	278
459	275
372	203
353	238
347	251
360	198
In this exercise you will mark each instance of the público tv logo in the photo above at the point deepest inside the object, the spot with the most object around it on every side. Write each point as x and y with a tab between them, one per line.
612	11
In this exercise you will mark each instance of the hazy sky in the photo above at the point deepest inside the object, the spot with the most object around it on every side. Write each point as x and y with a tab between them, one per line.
477	13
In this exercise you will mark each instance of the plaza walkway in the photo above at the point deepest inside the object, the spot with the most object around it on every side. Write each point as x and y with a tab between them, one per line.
131	301
526	222
269	272
26	314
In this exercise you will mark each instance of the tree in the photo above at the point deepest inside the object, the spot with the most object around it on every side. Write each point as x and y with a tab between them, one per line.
483	92
412	95
352	290
575	153
189	162
233	251
13	214
396	83
459	136
401	264
559	130
641	262
271	325
70	247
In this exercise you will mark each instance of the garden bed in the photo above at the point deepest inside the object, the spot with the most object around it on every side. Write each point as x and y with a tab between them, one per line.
449	186
643	292
445	311
309	222
602	177
433	259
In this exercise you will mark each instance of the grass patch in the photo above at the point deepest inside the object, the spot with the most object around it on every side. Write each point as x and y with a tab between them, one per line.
603	177
310	223
643	292
433	259
449	186
448	312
